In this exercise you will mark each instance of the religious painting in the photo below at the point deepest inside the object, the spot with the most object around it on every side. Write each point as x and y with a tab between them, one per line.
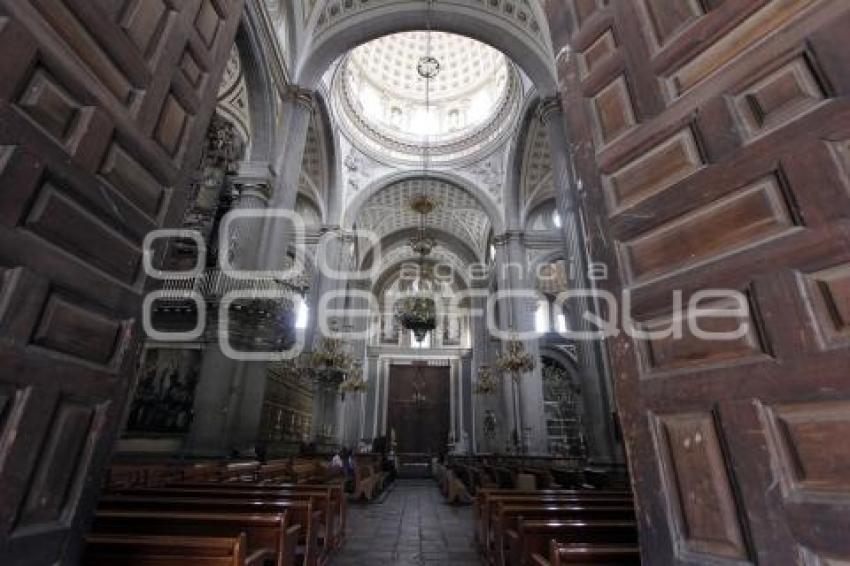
165	396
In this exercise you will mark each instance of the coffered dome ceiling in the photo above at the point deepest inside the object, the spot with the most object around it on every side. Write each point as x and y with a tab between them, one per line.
387	105
457	212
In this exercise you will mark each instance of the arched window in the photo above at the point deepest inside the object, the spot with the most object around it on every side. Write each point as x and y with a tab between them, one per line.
396	117
454	119
541	317
302	314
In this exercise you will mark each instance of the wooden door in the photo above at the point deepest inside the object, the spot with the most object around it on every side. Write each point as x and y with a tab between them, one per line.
712	144
419	407
103	108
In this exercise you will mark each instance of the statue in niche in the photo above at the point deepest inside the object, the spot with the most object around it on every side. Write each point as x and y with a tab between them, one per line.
489	423
165	396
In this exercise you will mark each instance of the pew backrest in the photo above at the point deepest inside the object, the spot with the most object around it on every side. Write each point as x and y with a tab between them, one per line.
601	555
272	532
135	550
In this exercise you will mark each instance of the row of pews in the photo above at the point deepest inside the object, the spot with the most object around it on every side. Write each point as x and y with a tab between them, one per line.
208	514
460	477
556	526
369	479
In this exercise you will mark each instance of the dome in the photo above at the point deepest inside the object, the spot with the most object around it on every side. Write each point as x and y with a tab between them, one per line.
464	99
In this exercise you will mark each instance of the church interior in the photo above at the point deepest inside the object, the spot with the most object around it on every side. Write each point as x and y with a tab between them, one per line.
350	282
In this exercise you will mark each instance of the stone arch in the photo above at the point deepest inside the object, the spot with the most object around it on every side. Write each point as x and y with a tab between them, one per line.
448	240
516	157
491	208
334	194
562	356
260	90
530	51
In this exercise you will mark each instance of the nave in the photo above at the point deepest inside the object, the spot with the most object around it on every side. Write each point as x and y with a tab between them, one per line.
414	525
258	257
308	512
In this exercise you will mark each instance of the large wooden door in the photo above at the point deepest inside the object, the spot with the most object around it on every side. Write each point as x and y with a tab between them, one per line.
418	408
712	144
103	107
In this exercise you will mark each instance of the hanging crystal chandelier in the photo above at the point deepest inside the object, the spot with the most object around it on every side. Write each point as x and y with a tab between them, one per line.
418	313
515	359
354	383
331	361
487	384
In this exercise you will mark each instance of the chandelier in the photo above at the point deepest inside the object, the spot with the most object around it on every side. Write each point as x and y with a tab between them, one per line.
487	384
515	359
354	383
419	312
331	360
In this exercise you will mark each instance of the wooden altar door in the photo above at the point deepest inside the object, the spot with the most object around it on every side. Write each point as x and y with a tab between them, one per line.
419	407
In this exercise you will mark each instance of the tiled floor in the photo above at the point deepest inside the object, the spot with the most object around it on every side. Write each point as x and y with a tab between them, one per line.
414	525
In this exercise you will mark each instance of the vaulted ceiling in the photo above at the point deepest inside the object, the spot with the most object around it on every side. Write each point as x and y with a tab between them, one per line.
457	212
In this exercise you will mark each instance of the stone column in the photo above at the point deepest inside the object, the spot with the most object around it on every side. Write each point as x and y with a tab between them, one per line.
517	315
372	402
296	112
479	343
596	385
328	404
350	425
230	393
252	187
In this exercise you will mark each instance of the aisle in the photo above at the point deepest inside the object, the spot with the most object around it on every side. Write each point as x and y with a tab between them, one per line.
413	526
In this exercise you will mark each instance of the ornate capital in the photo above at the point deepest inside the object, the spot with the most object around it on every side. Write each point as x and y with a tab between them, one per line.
506	237
548	108
247	188
299	95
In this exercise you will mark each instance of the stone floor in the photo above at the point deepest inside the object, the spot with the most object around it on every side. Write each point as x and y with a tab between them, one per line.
414	525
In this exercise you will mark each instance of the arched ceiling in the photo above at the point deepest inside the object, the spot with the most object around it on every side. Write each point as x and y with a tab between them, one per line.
525	16
233	101
314	165
390	64
442	255
537	180
387	108
457	211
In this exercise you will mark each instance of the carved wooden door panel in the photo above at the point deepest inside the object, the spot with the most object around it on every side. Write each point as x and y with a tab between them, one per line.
418	407
103	108
712	144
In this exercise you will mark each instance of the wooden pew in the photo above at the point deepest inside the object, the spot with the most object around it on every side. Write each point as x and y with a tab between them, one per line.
456	491
506	529
365	483
303	471
596	554
301	511
275	472
533	534
130	550
272	534
328	499
487	502
335	491
201	471
240	471
485	495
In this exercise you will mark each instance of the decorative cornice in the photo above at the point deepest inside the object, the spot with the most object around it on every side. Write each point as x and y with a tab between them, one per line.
548	107
508	236
300	95
252	187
